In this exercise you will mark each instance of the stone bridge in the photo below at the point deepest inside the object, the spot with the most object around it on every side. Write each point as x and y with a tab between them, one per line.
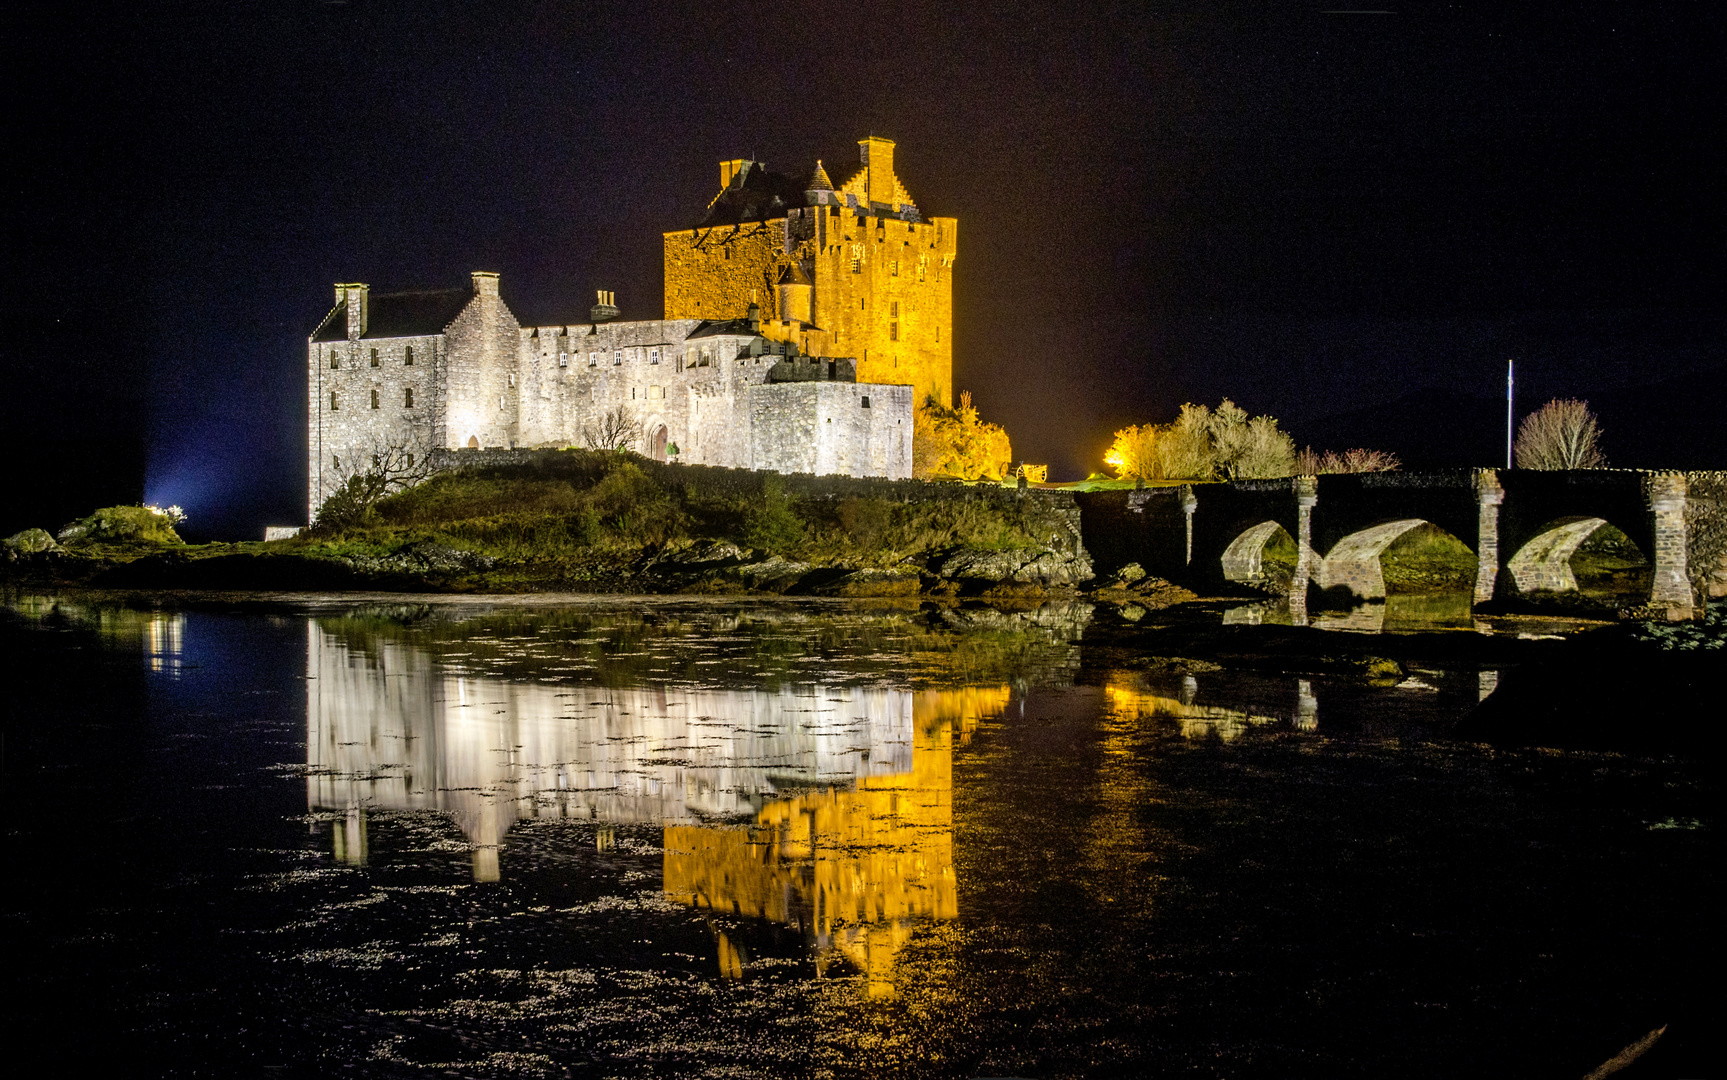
1522	528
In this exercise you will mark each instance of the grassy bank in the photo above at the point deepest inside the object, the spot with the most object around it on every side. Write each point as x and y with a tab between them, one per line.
593	521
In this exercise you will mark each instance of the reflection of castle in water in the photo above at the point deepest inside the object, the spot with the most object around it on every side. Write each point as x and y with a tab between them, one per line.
822	807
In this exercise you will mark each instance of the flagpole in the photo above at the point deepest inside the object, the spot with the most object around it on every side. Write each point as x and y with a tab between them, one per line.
1510	381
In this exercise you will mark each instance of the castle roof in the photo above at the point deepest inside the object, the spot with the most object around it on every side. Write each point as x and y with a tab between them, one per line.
403	314
756	194
819	179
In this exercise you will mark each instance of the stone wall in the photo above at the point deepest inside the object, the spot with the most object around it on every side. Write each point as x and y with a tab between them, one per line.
482	406
358	404
1706	533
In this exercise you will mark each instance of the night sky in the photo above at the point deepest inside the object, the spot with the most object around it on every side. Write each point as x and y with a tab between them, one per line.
1348	220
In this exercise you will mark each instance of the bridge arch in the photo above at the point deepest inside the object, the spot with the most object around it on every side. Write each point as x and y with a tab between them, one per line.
1263	555
1430	558
1544	564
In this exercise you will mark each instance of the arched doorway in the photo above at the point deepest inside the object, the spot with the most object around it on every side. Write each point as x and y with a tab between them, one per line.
657	443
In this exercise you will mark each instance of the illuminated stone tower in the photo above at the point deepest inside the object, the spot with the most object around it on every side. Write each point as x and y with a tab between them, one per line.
856	271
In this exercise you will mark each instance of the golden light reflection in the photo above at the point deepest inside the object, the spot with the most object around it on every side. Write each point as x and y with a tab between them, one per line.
1129	697
854	869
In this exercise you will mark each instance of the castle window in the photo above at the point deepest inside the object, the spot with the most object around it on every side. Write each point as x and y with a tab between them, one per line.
333	406
922	265
857	258
893	309
335	361
512	378
593	359
618	357
335	461
938	331
408	398
374	358
653	356
632	393
374	399
893	268
866	402
893	331
563	359
408	356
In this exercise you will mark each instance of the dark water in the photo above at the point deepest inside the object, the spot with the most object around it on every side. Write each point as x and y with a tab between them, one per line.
678	839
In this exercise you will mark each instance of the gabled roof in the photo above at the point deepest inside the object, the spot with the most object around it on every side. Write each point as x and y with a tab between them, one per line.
723	328
404	314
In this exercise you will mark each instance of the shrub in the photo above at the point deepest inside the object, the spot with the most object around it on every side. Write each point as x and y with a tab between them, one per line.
1310	463
957	442
1560	435
866	521
1199	443
123	525
773	525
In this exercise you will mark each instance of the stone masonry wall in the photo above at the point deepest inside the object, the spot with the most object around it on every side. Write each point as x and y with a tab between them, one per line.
483	404
1706	532
358	404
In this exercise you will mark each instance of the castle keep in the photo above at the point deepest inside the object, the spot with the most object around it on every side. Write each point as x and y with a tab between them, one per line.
854	271
802	325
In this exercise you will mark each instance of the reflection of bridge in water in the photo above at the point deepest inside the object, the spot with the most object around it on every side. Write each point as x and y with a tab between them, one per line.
826	808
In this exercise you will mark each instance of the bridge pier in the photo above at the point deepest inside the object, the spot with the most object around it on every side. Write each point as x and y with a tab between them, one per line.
1306	495
1488	494
1671	587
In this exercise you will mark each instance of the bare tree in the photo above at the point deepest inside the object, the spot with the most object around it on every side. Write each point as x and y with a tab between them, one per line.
1562	434
1312	463
615	429
394	464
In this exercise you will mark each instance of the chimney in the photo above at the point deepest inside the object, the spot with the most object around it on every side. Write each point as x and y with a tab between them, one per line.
485	283
755	317
735	168
607	309
355	297
877	158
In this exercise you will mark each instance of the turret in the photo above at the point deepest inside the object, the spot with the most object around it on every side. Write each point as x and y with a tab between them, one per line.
795	290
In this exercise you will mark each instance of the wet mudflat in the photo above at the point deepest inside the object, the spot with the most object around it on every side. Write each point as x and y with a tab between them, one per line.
808	839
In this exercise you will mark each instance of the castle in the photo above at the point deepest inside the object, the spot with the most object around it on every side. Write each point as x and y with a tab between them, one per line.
803	324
